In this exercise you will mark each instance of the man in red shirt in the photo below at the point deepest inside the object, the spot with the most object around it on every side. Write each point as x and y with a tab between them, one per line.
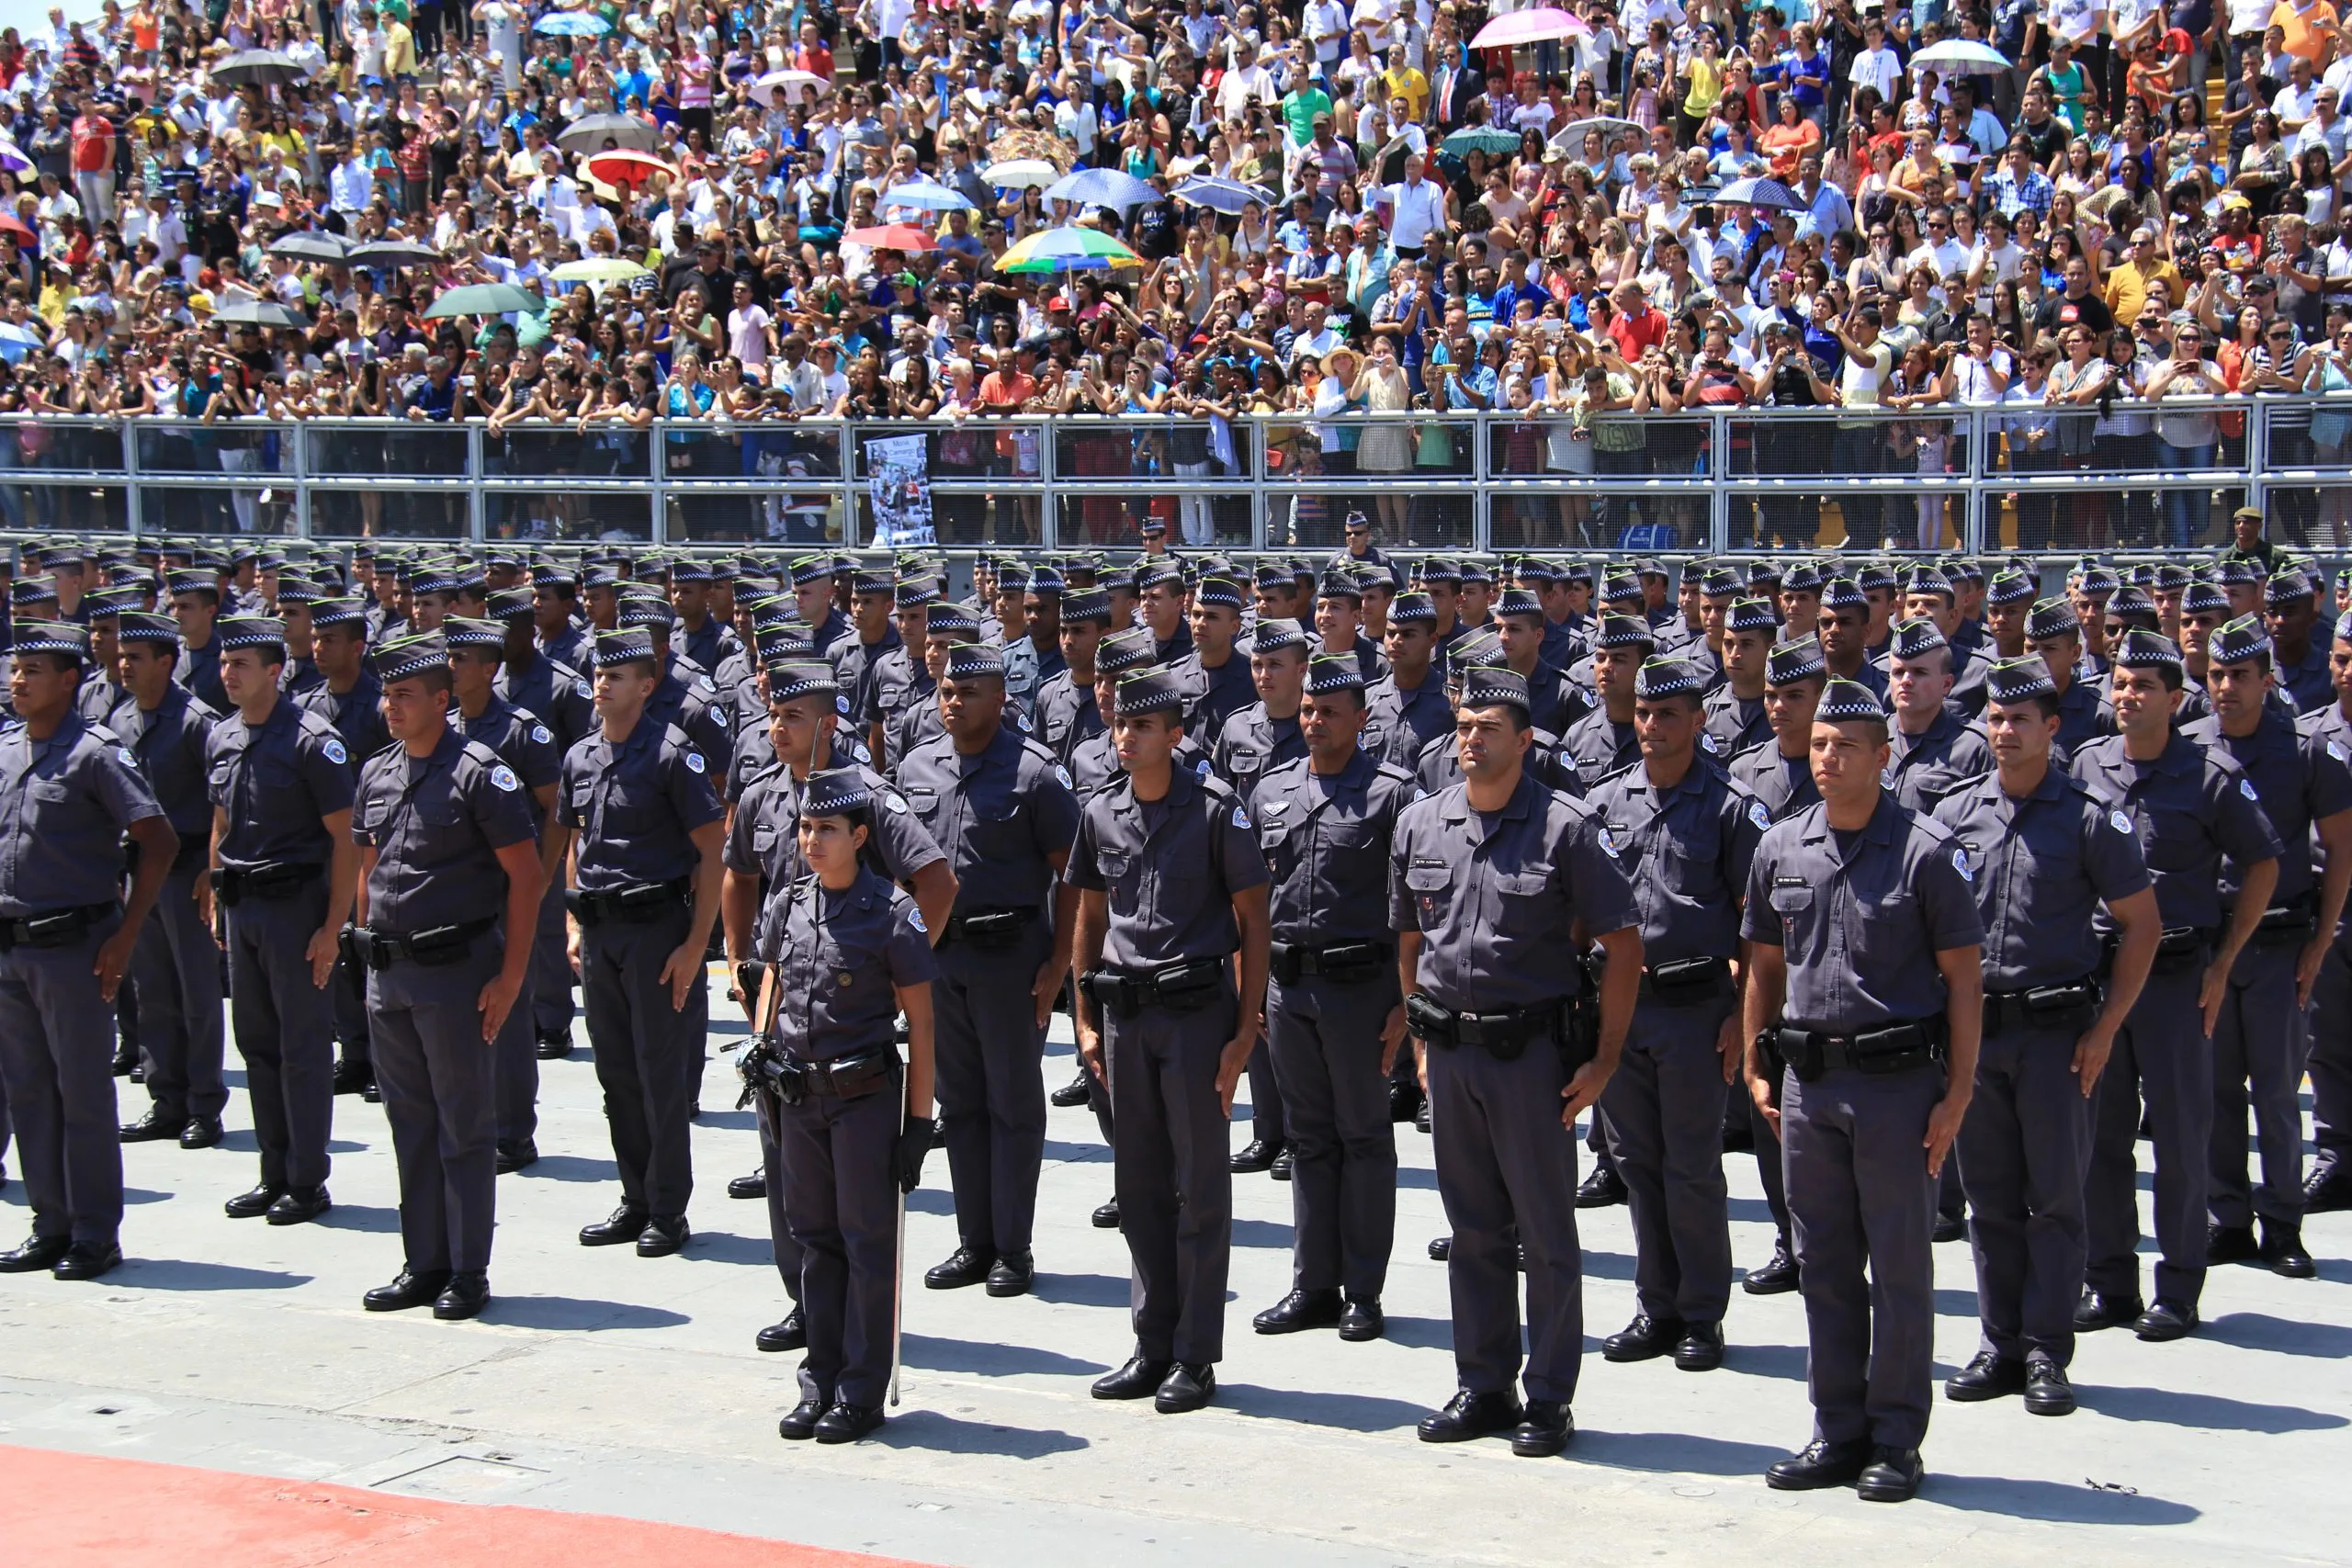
1638	328
94	165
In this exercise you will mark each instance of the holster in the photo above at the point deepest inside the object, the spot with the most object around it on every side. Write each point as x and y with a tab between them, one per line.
640	903
2071	1006
232	886
53	928
1348	963
2180	950
1896	1048
2293	923
990	931
434	947
1685	982
1178	987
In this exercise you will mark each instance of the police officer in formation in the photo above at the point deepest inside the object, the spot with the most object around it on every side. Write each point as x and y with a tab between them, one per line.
348	697
445	833
2329	1187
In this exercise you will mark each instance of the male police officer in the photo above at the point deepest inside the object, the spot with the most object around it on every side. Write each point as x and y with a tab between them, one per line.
1171	887
1864	953
281	788
2192	807
1603	740
2042	856
1407	707
2329	1187
1934	750
175	968
1490	883
1333	1022
647	874
1003	810
349	697
444	831
1683	833
558	696
1736	716
68	794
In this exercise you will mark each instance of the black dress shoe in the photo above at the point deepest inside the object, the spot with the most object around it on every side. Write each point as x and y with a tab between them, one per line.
623	1227
1989	1376
1362	1319
1543	1429
968	1264
2231	1244
662	1234
38	1252
1892	1475
517	1154
2165	1321
554	1047
1700	1349
1421	1118
1441	1248
1949	1228
1074	1092
2047	1392
372	1094
137	1073
2328	1188
1644	1340
1139	1379
2099	1310
848	1423
1106	1218
87	1260
1010	1273
408	1289
124	1061
1298	1310
1776	1278
752	1186
253	1204
789	1334
201	1133
1603	1188
800	1424
1468	1416
1738	1137
1280	1169
299	1205
1255	1155
1818	1465
1404	1101
152	1128
1188	1386
2282	1251
350	1078
463	1297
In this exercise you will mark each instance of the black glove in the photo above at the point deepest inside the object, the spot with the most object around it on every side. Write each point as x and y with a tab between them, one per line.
914	1142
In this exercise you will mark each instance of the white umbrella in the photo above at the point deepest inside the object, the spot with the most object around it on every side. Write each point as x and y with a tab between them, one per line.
1961	55
924	195
1019	174
791	84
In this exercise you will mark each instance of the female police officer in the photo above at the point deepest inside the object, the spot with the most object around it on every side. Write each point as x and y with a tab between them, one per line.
850	953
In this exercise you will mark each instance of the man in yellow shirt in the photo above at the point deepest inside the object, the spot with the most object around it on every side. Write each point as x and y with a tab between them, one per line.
1402	81
2143	275
400	47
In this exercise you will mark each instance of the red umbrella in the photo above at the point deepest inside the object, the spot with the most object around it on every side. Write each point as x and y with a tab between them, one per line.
891	237
624	166
12	224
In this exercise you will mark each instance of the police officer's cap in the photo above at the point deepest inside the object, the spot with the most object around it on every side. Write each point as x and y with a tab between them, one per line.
915	593
1130	649
1474	570
1329	672
1926	579
1011	577
1440	569
945	617
2171	576
1152	690
812	568
1481	650
1916	639
1270	575
2141	650
2238	573
1619	588
2204	599
1875	576
782	644
1086	605
64	639
1844	594
2241	639
801	678
2019	680
1339	584
835	792
1484	688
653	614
251	631
976	661
417	654
1965	569
2009	587
2098	581
462	632
2286	587
1274	636
32	591
1751	615
1520	602
61	555
1576	571
144	626
1152	574
1763	574
688	569
1802	578
629	645
1797	659
548	574
1668	676
1412	609
109	601
1720	583
1153	528
2132	606
1045	580
1535	568
2052	617
510	604
1844	702
1625	631
1221	590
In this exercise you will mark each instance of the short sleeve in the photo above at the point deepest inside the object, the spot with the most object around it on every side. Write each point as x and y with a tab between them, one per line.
1744	819
908	951
1082	873
690	791
1233	843
1597	887
362	833
537	762
565	811
2240	824
738	854
330	781
2111	854
1946	900
1401	908
2328	779
501	811
1052	810
906	846
120	787
1758	922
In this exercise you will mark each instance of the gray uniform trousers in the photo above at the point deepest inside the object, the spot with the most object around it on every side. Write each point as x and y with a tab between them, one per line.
990	1058
648	1054
1864	1211
347	988
2330	1062
436	1074
2022	1150
837	1159
285	1031
1269	1117
2258	1051
2160	1052
176	970
786	1244
1663	1115
1325	1037
1507	1172
515	1059
551	970
56	1057
1771	1170
1169	1168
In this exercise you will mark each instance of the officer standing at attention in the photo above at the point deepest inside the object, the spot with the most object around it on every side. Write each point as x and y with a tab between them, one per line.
2328	1188
558	696
849	953
68	794
1684	834
646	881
1736	716
1406	708
2055	635
2193	808
1172	887
1864	987
444	833
527	748
1604	741
2259	1044
175	968
1002	808
2042	856
286	868
349	697
195	605
1065	713
1216	670
1934	750
1491	883
1333	1018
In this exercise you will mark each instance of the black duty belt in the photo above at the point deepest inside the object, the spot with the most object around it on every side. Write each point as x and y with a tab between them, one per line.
1177	987
2071	1006
1895	1048
51	927
991	930
432	947
270	880
638	903
2178	950
1684	982
795	1078
1350	963
1571	1022
2292	923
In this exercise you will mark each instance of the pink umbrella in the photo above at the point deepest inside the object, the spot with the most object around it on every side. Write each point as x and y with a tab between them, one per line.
1533	26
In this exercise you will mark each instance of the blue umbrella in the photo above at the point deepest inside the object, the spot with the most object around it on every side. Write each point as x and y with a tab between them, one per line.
926	196
1102	187
1758	191
571	24
1229	197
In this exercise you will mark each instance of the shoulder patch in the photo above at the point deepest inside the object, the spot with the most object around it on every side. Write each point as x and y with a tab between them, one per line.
583	688
1708	743
840	702
694	762
1240	814
915	916
333	749
2246	789
1757	815
1062	774
2335	750
1960	862
542	734
707	683
504	777
126	755
2120	822
1202	768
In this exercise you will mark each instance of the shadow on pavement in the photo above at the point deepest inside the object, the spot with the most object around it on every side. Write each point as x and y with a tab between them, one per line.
1672	1451
1082	1289
945	1433
188	1274
1320	1407
2053	1501
577	1314
2212	1412
570	1167
2260	1331
992	1360
360	1217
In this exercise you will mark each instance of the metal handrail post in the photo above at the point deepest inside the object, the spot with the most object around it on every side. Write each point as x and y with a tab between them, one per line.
134	513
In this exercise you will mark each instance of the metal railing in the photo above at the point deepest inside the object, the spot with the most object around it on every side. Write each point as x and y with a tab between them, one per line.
2001	477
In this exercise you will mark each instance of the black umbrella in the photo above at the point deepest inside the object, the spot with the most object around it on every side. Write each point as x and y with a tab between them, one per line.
311	244
589	132
392	252
261	313
258	67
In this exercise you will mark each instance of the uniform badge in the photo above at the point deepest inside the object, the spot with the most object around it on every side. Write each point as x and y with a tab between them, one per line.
128	761
1609	842
504	777
2120	823
694	762
1062	774
898	804
1276	807
1708	743
1757	815
707	683
1241	815
844	979
333	749
540	733
1886	776
1960	863
2335	750
2246	789
915	916
840	704
717	717
1201	769
584	689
